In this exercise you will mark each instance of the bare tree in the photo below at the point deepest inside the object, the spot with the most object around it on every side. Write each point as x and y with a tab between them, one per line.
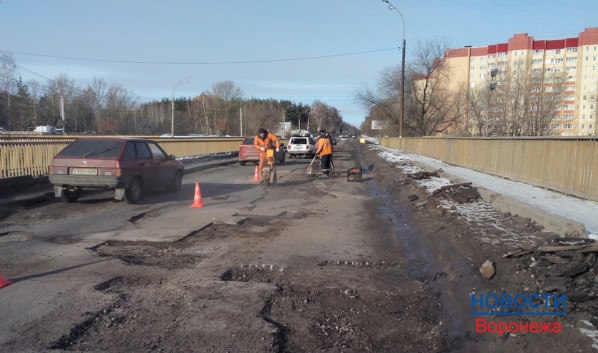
433	109
228	93
8	70
546	97
383	103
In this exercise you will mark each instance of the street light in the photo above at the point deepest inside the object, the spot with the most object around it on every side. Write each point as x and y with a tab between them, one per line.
181	82
401	118
492	86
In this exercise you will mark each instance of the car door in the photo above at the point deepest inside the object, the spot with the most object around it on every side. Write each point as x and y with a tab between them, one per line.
164	168
145	164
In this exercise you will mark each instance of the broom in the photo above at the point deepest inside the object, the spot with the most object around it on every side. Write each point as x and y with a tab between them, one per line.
309	168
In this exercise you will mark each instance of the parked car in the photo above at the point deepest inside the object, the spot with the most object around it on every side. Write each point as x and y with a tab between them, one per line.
126	165
248	152
301	146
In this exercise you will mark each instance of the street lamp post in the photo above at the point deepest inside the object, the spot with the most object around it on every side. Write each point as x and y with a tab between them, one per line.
176	85
402	116
492	86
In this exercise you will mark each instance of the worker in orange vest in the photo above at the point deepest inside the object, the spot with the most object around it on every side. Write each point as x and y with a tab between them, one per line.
324	150
263	141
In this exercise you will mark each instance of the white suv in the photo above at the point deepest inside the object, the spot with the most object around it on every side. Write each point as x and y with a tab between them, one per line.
301	146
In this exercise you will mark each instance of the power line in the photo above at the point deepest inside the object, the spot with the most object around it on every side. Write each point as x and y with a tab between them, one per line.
207	62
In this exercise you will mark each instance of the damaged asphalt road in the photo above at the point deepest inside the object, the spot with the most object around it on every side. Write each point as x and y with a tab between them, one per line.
308	265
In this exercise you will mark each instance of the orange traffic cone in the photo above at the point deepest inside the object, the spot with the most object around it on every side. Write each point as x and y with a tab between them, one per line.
4	283
256	175
197	203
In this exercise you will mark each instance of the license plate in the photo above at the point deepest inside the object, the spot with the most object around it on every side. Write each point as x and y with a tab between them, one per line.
84	171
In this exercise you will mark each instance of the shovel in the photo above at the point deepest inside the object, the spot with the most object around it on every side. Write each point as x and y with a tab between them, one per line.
309	168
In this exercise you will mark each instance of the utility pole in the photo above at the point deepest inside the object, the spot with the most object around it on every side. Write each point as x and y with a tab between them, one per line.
402	116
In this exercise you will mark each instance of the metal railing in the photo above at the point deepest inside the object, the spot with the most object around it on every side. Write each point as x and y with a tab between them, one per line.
564	164
23	156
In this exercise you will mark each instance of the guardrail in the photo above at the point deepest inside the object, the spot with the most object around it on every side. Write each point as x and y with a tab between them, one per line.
31	155
564	164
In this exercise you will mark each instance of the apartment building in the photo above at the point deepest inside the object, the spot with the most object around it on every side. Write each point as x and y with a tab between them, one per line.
565	69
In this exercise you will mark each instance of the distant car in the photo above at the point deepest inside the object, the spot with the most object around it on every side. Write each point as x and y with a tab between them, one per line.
248	152
126	165
301	146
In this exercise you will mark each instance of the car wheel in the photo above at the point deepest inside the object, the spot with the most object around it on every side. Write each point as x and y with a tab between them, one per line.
70	195
242	163
175	184
133	191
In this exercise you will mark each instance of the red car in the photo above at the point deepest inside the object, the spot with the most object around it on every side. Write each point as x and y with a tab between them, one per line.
125	165
248	152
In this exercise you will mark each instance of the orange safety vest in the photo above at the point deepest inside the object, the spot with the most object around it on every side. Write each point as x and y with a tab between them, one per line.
324	146
268	142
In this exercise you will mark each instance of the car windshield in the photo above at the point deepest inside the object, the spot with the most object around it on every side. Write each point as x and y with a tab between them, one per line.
248	141
299	141
93	148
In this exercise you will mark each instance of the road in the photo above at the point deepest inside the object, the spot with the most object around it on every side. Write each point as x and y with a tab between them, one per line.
311	264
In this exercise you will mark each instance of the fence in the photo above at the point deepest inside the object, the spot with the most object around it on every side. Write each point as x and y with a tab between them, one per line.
565	164
22	156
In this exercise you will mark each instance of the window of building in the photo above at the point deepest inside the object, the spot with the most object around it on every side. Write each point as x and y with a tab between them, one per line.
472	68
482	58
571	50
583	126
538	52
554	126
567	126
471	59
572	59
482	67
557	51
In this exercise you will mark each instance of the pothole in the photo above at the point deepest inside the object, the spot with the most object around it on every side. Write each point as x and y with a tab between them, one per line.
15	236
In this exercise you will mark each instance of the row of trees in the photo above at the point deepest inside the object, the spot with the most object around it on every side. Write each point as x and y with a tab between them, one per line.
104	108
523	103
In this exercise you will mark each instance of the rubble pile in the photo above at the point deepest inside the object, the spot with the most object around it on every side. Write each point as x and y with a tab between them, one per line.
564	266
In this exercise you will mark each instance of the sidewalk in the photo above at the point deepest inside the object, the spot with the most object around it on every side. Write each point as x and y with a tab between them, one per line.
550	203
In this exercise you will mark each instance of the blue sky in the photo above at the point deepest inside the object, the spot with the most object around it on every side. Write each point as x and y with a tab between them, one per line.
300	50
